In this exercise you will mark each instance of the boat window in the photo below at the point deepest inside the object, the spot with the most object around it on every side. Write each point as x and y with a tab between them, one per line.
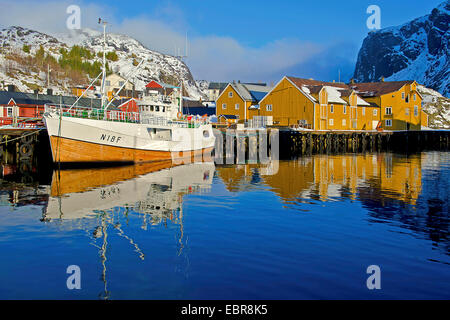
157	108
151	108
163	109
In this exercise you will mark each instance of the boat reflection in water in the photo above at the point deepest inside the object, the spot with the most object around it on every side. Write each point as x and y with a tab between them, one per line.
98	198
154	189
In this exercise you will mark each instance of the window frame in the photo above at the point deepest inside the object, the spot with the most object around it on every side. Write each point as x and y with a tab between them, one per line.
388	111
269	107
224	106
388	122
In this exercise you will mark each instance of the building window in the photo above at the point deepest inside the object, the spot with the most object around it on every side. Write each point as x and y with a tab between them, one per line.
331	108
230	94
414	97
121	83
269	107
364	111
236	106
9	112
224	106
344	122
375	112
403	95
407	98
108	83
389	111
389	123
407	111
345	109
331	122
416	111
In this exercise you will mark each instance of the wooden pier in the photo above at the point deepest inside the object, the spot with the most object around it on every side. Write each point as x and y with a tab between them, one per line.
294	143
22	148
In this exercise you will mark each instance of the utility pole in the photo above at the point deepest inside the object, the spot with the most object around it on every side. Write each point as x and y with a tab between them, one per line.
48	76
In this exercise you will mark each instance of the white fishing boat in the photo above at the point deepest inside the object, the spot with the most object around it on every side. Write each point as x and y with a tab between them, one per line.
157	132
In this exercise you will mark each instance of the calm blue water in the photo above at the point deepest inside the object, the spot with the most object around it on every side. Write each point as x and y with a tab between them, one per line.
304	229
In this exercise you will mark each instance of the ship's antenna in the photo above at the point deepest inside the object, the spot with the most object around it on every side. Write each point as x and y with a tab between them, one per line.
103	88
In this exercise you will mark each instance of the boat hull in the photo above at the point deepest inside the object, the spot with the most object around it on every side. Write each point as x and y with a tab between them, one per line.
75	140
66	150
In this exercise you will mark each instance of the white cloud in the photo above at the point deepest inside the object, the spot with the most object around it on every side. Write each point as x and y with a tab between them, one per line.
210	57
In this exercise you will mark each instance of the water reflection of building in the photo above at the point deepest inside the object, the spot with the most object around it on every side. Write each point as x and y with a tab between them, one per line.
329	176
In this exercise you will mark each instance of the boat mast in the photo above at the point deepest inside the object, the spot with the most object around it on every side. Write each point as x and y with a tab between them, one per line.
181	57
103	88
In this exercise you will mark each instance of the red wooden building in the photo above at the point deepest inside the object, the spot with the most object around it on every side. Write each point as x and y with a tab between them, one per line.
21	111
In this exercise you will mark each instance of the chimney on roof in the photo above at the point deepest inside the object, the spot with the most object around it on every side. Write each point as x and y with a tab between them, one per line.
334	81
11	88
352	81
382	79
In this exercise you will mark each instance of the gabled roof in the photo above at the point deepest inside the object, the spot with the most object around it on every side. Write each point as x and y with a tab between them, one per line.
250	92
375	89
337	92
41	99
311	82
217	85
27	101
159	85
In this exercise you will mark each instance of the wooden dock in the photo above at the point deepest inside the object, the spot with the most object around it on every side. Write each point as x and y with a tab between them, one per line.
22	146
294	143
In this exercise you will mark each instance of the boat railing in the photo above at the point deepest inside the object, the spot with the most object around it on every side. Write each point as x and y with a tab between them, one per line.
122	116
93	113
156	98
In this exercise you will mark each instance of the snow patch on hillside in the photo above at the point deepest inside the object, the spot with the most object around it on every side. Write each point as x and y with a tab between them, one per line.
155	66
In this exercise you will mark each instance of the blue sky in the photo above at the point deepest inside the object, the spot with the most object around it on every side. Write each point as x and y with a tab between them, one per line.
236	40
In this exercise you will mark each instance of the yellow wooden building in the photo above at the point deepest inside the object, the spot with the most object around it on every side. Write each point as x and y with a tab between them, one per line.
236	100
318	105
399	101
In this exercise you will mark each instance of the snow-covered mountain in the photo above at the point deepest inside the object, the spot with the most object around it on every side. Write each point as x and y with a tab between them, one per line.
417	50
155	66
437	107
